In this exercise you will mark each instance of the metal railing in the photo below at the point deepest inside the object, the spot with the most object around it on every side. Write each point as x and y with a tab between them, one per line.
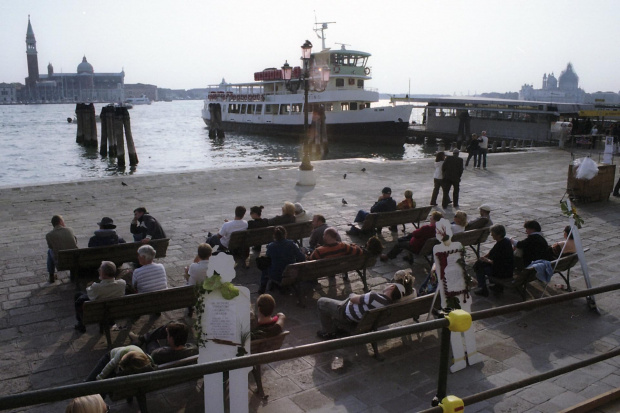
147	382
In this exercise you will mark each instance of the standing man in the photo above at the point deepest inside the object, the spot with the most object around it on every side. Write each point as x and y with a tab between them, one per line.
483	149
145	227
60	238
452	169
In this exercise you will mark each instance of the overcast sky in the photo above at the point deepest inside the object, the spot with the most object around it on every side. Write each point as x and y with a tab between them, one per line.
445	47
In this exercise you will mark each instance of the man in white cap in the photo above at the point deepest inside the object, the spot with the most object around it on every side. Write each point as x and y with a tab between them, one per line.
300	213
483	221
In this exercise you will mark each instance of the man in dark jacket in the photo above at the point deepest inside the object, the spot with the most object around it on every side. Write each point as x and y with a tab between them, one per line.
534	247
385	203
145	227
105	235
452	171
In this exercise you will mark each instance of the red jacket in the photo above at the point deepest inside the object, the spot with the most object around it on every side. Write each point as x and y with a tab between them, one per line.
420	236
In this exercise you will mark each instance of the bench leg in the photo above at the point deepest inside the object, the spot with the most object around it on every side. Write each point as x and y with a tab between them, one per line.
375	349
142	403
105	326
299	294
256	372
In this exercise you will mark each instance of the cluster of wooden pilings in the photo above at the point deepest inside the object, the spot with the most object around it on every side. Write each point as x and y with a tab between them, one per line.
86	124
115	129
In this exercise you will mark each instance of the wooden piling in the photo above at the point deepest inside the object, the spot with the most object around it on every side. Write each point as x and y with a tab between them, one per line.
90	138
103	148
131	149
118	135
79	114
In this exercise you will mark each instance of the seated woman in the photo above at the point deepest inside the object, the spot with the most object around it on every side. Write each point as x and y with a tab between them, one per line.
460	222
563	248
287	217
407	203
265	324
257	221
282	252
498	263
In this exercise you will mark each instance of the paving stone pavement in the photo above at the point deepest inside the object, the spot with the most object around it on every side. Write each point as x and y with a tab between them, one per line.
39	347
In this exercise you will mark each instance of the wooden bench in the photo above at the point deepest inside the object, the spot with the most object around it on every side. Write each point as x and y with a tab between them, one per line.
520	281
376	220
260	236
294	274
89	258
104	312
262	345
404	309
472	239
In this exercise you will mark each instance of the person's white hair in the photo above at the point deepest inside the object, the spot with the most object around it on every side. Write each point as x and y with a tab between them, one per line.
147	252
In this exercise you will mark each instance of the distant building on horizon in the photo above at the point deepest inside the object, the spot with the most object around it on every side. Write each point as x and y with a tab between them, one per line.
83	86
563	90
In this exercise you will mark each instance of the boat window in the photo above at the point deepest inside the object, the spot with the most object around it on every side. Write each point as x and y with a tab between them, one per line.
285	109
353	105
339	82
259	109
271	109
250	109
360	83
344	106
243	108
233	108
297	108
329	107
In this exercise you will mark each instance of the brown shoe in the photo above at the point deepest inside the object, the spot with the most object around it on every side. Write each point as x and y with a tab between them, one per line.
383	257
52	278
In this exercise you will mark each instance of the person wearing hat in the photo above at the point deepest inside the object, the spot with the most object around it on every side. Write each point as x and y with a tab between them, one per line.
452	170
483	221
105	235
385	203
335	312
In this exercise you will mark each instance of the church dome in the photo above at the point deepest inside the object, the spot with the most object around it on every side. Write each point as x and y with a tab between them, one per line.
569	79
85	67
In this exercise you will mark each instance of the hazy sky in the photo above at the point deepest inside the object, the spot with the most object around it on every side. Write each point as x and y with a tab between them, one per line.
439	46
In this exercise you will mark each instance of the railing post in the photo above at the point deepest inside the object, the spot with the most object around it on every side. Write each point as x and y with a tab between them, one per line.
444	361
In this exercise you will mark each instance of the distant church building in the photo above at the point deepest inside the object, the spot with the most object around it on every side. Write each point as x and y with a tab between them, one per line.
563	90
83	86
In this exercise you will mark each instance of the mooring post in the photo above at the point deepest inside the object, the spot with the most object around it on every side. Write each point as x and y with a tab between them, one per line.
131	149
79	114
111	135
103	148
90	125
118	135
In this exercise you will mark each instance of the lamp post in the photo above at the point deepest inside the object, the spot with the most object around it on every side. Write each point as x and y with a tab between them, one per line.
306	170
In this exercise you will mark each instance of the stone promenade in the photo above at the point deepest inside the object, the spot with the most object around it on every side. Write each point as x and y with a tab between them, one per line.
39	347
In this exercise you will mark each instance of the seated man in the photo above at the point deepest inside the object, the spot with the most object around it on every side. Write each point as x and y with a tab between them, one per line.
177	347
483	221
108	287
385	203
105	235
59	238
498	263
149	277
335	312
333	248
533	248
145	227
266	325
414	241
222	238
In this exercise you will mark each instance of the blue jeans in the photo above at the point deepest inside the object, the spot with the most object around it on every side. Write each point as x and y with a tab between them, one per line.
482	156
361	216
51	264
483	271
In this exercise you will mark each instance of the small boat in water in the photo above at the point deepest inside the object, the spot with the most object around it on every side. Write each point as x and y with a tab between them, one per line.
273	106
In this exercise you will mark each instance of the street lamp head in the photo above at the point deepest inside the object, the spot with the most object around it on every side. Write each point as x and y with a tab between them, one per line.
325	72
306	50
287	71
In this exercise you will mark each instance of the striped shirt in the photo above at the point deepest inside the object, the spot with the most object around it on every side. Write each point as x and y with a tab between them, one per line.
150	277
368	301
335	250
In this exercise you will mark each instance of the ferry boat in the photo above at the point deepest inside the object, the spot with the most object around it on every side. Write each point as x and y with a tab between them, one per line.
142	100
272	106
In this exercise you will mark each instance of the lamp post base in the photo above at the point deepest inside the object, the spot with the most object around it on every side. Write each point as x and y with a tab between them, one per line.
306	178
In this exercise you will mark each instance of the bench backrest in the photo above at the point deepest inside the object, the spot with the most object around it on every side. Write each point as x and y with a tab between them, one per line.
260	236
135	305
404	216
479	223
311	270
401	310
472	237
262	345
564	263
118	254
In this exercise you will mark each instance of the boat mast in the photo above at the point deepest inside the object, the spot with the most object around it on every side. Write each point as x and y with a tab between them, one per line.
321	27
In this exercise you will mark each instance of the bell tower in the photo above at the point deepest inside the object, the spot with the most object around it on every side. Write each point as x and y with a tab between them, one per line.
31	55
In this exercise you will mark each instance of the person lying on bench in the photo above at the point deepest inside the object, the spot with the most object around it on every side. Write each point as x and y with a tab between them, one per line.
265	324
334	312
498	263
332	247
177	347
385	203
122	361
108	287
